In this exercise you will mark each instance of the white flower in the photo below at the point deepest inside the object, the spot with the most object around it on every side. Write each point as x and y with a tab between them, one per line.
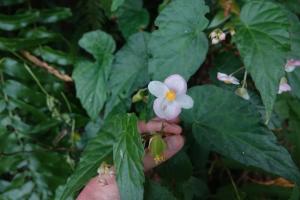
222	36
232	32
215	41
284	86
171	97
217	36
228	79
291	65
242	92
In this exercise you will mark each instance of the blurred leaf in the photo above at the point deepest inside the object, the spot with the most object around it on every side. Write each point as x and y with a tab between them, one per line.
116	4
98	149
54	15
18	21
17	90
194	187
130	69
292	5
14	69
53	56
218	19
10	2
90	78
132	17
179	45
178	169
294	77
154	191
237	132
262	39
128	154
16	44
40	32
295	194
294	35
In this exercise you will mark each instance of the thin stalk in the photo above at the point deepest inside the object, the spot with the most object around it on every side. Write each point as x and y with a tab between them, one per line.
36	80
244	80
233	185
236	71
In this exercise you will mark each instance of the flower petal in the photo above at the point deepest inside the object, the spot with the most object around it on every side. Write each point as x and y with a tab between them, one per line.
166	110
158	108
185	101
293	62
285	87
157	88
177	83
289	68
172	111
222	77
234	80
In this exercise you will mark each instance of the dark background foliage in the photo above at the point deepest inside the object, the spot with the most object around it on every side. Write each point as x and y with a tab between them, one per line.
47	120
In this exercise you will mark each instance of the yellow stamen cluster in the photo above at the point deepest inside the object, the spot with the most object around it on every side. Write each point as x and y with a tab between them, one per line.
170	95
105	169
159	159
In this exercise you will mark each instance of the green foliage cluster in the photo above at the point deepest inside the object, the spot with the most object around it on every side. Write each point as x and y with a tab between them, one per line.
69	70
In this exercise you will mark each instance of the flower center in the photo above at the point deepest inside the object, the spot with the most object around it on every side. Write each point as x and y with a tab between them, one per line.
170	95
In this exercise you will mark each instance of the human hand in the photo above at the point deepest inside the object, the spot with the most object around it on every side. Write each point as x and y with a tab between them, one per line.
96	190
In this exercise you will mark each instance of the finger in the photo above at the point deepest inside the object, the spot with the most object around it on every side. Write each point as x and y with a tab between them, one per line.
156	126
94	190
175	120
174	143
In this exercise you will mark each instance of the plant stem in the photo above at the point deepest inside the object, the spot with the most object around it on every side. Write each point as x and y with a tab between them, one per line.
236	71
36	80
245	78
233	185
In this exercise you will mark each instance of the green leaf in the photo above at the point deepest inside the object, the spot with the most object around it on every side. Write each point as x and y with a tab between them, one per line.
17	90
90	85
231	127
132	17
193	188
129	70
10	2
28	39
14	69
262	39
53	56
128	154
40	32
98	149
18	21
154	191
179	45
99	44
16	44
54	15
294	34
179	168
116	4
91	78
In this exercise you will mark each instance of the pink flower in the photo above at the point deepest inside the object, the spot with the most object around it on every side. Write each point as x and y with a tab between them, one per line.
171	96
228	79
291	65
284	86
